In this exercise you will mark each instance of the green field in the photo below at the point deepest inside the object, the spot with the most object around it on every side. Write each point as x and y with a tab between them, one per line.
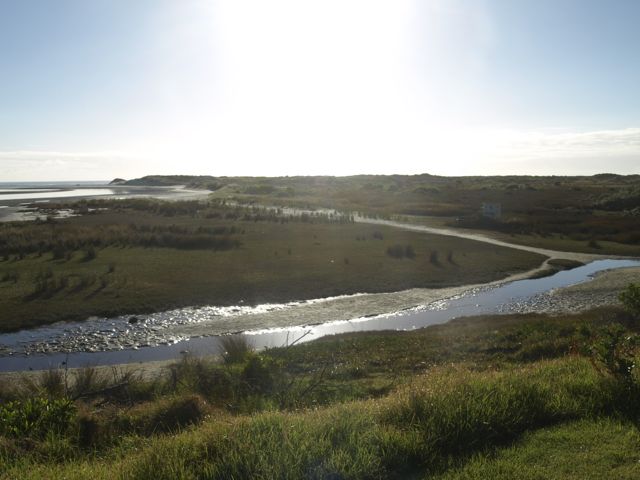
115	262
582	450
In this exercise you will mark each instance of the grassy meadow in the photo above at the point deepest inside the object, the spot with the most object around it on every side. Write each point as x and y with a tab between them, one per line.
490	397
144	256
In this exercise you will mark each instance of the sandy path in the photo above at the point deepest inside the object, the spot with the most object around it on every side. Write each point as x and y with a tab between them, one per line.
580	257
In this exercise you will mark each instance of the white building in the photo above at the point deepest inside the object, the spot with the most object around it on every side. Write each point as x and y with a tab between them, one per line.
492	210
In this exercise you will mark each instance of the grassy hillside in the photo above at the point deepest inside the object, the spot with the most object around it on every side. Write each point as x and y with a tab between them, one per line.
524	394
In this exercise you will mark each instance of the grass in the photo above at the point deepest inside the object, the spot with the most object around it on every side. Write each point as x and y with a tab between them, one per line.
430	425
274	262
472	396
584	450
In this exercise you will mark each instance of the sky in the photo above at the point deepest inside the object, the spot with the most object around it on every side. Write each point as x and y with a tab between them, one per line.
92	90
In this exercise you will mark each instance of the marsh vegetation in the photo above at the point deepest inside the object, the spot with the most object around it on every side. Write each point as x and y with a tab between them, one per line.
140	256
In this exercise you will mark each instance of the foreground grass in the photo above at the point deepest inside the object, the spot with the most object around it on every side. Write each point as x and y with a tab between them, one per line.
273	262
427	426
582	450
465	398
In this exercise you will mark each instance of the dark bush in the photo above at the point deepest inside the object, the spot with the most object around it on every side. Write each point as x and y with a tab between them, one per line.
630	298
258	375
35	417
90	254
235	348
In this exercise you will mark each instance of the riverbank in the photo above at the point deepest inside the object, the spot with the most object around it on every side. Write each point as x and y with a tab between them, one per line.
602	291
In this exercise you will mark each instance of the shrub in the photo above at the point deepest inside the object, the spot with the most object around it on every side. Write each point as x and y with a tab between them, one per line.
593	243
90	254
166	415
59	252
401	251
205	377
87	380
395	251
11	277
35	417
615	353
256	376
235	348
409	252
630	298
52	383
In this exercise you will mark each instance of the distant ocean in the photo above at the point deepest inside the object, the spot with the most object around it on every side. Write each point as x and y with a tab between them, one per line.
10	192
39	185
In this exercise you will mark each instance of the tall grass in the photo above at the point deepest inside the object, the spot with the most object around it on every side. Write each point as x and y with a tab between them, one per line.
235	348
427	426
424	427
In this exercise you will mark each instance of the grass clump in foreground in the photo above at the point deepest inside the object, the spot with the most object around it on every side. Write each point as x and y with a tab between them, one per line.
581	450
424	403
426	427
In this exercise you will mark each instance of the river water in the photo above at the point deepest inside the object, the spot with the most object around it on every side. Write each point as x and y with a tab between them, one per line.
153	337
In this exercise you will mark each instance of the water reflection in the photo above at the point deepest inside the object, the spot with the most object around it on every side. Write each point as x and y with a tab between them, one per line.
158	346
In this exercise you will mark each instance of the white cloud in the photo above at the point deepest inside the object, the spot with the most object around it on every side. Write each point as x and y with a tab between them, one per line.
443	152
38	165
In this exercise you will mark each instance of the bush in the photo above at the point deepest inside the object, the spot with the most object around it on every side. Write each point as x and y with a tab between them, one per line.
630	298
212	380
166	415
90	254
615	353
52	383
35	417
401	251
593	243
88	380
235	348
258	375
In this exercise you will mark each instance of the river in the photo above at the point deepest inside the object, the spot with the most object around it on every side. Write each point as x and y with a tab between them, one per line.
165	335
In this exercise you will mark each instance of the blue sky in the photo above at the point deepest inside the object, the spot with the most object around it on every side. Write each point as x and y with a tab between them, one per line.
104	88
